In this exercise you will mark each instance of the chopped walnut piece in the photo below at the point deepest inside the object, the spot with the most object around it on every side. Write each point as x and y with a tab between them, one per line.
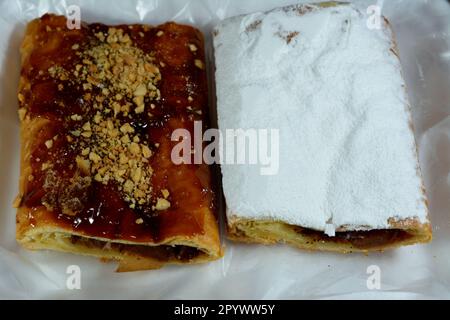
116	108
46	165
128	186
100	36
136	175
159	33
140	109
134	148
86	134
94	157
165	193
126	128
75	133
49	143
123	158
139	221
125	139
139	100
97	118
162	204
141	90
87	126
146	152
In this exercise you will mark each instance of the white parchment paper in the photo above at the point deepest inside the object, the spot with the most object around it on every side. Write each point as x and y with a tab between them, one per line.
246	271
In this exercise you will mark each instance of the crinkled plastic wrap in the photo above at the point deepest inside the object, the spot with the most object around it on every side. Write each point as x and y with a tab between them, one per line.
246	271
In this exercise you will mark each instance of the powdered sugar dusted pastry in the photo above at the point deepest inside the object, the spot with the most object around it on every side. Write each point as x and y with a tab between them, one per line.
98	106
349	178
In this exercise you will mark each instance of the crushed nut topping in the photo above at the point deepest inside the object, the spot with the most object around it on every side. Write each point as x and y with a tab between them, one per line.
21	98
119	78
192	47
162	204
46	165
76	117
49	144
199	64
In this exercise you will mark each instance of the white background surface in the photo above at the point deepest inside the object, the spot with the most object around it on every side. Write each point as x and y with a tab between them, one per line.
423	32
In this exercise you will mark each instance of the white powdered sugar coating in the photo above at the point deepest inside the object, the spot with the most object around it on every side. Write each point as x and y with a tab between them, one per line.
334	89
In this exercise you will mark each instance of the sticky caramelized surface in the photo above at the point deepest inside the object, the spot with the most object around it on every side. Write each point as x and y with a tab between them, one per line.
112	98
361	240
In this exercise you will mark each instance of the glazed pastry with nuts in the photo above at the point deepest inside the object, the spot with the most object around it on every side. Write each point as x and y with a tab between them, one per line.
97	107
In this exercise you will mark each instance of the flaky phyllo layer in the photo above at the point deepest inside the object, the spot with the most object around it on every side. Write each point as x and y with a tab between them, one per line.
97	106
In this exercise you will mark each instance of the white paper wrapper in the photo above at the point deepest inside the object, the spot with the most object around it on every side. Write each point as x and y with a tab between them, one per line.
246	271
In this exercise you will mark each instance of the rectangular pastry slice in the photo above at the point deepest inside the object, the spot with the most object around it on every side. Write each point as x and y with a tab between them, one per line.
330	82
97	107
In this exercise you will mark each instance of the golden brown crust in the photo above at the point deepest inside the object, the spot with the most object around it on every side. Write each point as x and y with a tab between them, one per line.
172	241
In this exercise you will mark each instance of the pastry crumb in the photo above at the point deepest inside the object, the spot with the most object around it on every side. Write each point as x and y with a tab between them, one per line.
76	117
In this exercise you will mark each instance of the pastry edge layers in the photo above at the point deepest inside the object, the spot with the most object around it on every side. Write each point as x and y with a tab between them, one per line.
269	232
273	229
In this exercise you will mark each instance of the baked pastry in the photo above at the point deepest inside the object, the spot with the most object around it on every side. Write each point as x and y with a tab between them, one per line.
348	177
97	107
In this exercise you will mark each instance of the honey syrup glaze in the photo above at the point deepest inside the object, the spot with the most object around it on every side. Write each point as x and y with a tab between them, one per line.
101	209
